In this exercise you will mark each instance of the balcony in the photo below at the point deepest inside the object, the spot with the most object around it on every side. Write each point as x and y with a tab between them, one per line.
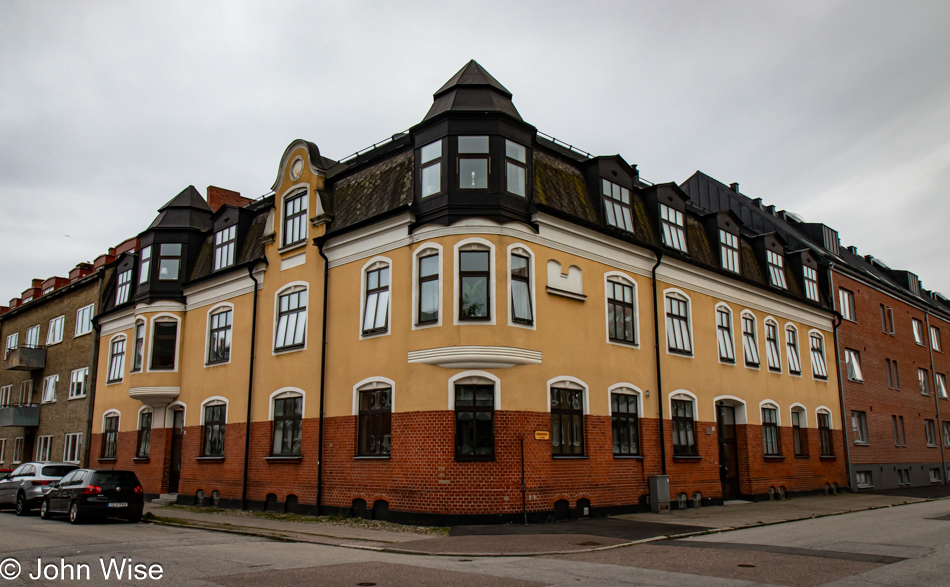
23	415
25	359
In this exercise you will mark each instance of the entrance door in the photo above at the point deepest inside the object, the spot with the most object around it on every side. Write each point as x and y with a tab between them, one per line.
178	422
728	452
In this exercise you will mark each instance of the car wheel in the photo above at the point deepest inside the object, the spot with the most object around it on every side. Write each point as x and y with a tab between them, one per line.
74	517
44	510
21	508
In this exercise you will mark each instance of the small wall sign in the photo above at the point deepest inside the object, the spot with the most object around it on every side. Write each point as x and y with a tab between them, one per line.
542	435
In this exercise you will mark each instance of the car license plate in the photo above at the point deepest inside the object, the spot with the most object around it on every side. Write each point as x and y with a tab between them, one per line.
118	504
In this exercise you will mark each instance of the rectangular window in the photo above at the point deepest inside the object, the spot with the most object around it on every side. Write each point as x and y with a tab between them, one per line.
116	360
898	423
430	157
144	440
288	413
72	452
295	219
771	347
724	335
684	441
892	379
887	320
224	242
219	343
918	327
123	285
620	316
935	338
729	251
863	478
617	205
49	389
473	283
375	422
291	320
33	337
819	369
13	341
791	347
859	427
17	450
946	434
930	429
5	395
852	360
940	381
169	261
213	430
672	222
903	476
164	345
799	440
625	424
811	283
43	446
55	333
26	392
776	265
473	165
516	160
429	289
110	437
376	310
846	302
474	421
78	382
770	432
138	356
84	319
521	307
677	325
923	378
750	346
935	475
145	263
567	422
3	450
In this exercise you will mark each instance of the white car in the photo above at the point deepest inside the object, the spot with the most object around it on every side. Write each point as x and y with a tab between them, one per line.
28	484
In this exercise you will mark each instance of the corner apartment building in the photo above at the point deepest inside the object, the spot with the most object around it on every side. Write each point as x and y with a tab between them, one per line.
890	348
49	368
415	330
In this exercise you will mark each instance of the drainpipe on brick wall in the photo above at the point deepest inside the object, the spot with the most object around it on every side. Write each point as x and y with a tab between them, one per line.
659	378
91	391
844	410
939	424
250	383
323	369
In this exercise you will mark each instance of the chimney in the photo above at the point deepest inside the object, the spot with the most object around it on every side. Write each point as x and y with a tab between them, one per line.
218	197
758	203
104	259
4	309
734	187
853	250
79	271
129	244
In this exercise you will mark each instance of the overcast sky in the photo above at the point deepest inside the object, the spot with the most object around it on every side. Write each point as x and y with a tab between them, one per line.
838	111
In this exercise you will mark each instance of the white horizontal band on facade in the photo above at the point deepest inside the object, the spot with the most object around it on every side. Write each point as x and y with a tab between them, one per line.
475	357
154	395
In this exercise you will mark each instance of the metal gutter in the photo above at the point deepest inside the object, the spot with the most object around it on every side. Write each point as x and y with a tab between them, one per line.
939	430
659	377
250	384
844	409
91	391
320	242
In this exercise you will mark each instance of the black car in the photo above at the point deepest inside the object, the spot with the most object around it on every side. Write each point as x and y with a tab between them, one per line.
89	493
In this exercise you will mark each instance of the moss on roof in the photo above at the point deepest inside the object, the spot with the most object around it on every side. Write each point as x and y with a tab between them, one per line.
560	185
372	191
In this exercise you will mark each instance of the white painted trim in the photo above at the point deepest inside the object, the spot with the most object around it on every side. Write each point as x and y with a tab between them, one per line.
689	310
802	409
798	346
690	395
106	414
480	378
295	260
211	311
297	144
159	395
475	357
227	286
280	203
532	272
169	409
623	388
416	254
213	399
732	334
831	416
306	330
147	359
572	383
778	351
771	403
741	412
389	308
375	239
289	391
492	292
623	277
367	384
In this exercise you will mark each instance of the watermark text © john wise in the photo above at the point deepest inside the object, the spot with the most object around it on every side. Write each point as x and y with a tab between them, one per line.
112	569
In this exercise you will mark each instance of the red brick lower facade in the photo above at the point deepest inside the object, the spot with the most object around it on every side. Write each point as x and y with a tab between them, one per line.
422	477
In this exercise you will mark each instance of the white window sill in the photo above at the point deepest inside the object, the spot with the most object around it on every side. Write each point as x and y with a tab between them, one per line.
72	397
292	247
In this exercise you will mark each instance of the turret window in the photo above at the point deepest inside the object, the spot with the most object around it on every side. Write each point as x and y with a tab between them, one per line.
474	277
776	269
169	261
672	222
145	262
617	206
431	161
473	164
516	158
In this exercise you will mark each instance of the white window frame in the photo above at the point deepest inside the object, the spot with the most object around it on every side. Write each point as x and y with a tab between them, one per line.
292	287
846	304
773	354
217	309
729	251
794	358
32	337
810	276
123	285
776	266
55	333
285	392
935	342
754	344
291	193
456	282
821	375
44	446
145	263
673	293
859	427
227	247
13	341
918	327
6	395
923	380
727	340
109	364
17	450
852	356
375	264
425	249
72	441
150	342
49	389
476	378
80	377
524	251
684	395
624	388
84	318
769	404
940	384
673	228
622	279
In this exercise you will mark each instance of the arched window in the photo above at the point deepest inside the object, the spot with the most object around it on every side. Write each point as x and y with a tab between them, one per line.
427	294
791	347
219	334
816	344
143	443
376	297
825	441
625	419
621	308
164	343
474	396
678	337
287	415
799	430
116	359
214	416
750	343
110	433
568	405
683	416
521	284
770	429
724	340
772	345
295	218
290	330
374	400
475	281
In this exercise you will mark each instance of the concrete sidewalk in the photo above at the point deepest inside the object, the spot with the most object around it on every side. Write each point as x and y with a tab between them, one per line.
517	540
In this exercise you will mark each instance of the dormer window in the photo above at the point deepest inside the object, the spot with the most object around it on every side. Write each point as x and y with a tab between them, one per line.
123	284
145	262
224	247
431	161
776	269
169	261
811	283
473	166
729	251
516	159
673	221
617	206
295	216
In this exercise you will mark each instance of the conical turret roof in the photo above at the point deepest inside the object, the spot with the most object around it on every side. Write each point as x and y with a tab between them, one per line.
186	210
472	89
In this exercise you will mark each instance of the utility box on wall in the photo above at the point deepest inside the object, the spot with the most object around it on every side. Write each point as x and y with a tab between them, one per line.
660	494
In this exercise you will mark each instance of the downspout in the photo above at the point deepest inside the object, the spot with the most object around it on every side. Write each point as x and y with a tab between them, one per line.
323	370
91	392
933	374
659	377
844	410
250	384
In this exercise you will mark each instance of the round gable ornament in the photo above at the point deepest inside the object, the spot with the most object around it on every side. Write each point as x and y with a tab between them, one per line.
296	168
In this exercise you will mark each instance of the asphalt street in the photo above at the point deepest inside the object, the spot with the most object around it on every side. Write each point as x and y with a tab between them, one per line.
903	545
